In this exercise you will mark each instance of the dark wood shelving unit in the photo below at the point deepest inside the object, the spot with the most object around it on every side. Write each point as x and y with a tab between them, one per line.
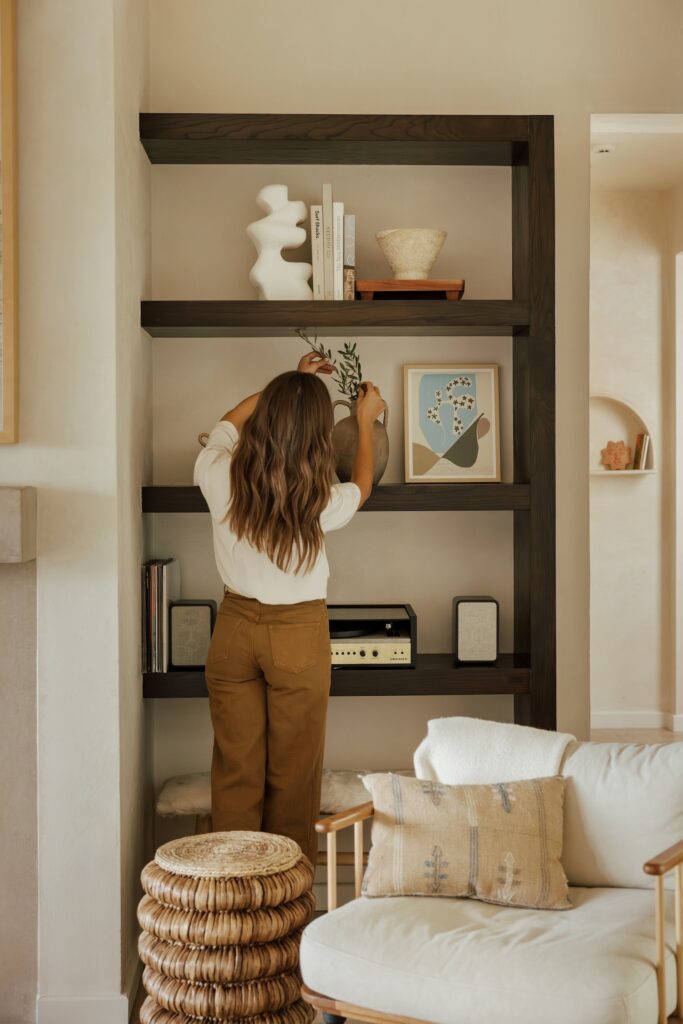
400	317
526	145
334	139
385	498
434	674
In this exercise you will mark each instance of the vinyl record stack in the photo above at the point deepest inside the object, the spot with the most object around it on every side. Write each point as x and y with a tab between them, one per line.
221	922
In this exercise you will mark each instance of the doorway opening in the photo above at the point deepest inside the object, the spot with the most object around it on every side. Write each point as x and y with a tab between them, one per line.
636	422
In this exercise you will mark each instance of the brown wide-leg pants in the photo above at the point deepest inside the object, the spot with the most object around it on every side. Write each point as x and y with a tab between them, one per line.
268	677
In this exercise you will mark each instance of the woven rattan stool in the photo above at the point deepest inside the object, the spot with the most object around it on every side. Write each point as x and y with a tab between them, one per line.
221	921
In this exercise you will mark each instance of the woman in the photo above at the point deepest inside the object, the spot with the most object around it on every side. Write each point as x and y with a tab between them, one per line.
266	474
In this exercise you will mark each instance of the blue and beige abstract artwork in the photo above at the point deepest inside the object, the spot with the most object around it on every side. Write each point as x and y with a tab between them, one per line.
452	431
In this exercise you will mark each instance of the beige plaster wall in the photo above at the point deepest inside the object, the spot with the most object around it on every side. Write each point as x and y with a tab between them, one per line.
134	429
68	450
676	417
631	537
82	238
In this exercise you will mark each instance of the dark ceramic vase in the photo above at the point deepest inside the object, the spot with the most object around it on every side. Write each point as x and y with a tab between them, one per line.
345	441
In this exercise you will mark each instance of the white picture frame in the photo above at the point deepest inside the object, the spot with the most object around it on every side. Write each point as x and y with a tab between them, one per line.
452	423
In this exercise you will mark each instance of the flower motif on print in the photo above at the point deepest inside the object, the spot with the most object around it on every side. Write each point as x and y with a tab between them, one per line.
433	414
435	873
457	425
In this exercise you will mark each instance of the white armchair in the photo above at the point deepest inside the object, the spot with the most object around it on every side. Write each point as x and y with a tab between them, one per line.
613	959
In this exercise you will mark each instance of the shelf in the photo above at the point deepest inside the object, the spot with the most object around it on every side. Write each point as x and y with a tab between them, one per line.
622	472
260	319
616	419
526	145
434	674
334	139
384	498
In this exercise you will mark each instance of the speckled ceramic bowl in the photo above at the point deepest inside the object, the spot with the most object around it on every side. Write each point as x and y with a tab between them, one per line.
411	252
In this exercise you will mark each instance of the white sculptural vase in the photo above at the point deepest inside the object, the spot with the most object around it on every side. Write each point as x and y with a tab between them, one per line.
272	275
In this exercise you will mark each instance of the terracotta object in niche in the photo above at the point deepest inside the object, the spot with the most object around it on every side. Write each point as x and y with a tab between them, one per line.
616	455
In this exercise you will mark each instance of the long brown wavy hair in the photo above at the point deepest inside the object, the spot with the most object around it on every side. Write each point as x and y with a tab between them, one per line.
281	471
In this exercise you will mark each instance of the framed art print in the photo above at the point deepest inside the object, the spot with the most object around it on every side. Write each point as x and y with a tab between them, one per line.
8	230
452	428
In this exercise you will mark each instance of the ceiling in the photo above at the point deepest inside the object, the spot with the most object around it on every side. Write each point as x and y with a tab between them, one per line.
647	153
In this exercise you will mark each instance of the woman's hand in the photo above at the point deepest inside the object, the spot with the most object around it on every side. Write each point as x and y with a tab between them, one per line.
313	363
368	407
370	403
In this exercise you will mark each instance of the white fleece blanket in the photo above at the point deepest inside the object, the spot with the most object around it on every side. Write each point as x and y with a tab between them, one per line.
470	751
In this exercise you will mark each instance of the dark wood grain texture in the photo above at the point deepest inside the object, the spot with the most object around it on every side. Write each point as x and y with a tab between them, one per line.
333	138
521	417
434	674
384	498
534	402
253	318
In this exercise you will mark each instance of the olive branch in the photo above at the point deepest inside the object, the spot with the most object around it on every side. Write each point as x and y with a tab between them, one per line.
348	374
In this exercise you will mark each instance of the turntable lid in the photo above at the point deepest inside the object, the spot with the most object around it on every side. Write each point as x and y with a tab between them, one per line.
348	613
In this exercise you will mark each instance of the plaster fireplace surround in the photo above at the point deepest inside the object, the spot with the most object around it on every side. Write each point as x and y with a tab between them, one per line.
18	820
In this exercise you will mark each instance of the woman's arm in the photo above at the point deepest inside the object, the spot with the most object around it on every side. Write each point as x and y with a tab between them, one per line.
310	363
370	405
241	413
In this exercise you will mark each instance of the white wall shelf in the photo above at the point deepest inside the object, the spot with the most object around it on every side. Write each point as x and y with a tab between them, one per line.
614	419
622	472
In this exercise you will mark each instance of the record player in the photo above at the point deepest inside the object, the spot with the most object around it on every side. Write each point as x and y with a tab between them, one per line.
373	635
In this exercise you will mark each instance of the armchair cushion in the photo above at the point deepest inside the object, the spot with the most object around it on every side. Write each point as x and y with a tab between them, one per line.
499	843
466	962
623	804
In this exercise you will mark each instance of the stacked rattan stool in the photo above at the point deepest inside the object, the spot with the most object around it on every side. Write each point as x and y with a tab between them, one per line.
221	921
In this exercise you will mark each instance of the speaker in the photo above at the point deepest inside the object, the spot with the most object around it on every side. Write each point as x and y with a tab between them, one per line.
190	626
475	630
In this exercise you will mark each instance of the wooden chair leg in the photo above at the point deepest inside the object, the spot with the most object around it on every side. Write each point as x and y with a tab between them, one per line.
660	924
679	939
202	824
331	871
358	858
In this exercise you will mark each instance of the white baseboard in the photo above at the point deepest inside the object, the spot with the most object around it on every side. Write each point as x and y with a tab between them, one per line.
111	1009
635	720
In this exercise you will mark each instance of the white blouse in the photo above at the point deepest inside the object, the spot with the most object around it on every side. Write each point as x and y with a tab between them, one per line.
243	569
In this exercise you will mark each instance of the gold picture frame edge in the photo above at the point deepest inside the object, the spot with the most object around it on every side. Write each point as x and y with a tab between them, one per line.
406	431
8	112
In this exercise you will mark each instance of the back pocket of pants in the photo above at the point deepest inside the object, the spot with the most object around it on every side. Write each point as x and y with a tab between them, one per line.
295	648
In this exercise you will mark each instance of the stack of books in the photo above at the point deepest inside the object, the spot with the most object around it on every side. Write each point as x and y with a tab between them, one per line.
641	451
333	246
160	586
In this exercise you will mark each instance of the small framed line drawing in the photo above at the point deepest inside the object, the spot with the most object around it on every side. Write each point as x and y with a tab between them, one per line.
452	424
